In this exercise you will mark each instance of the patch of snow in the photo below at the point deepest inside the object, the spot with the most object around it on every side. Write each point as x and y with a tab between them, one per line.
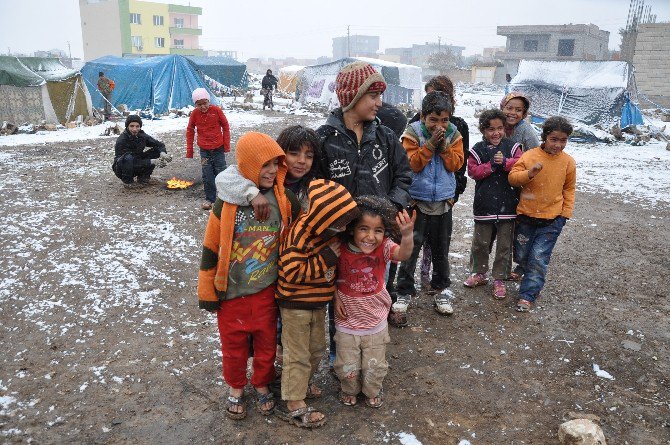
602	373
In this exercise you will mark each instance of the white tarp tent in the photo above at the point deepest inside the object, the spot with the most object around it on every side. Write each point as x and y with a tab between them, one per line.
588	92
404	85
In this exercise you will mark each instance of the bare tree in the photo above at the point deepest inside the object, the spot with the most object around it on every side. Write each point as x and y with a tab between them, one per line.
443	61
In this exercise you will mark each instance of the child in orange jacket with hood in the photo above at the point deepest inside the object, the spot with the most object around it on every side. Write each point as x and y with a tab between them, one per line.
238	272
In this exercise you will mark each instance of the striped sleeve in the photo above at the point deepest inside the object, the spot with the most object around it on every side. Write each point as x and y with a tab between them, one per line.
207	298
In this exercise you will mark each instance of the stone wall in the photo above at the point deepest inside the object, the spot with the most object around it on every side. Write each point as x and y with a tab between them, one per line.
652	63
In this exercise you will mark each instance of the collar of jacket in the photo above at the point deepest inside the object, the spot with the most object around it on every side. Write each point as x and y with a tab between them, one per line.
336	120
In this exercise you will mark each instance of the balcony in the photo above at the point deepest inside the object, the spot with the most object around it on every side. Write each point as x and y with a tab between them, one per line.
187	51
179	9
178	31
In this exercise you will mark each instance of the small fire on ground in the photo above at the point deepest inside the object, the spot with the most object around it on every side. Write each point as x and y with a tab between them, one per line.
176	183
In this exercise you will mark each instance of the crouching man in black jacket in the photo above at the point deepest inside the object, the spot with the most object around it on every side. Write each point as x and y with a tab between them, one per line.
136	154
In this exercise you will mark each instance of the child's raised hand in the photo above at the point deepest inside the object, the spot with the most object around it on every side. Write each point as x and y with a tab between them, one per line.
335	247
498	157
534	170
405	223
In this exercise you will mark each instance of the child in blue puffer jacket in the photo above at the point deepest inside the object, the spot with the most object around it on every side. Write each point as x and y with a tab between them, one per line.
435	150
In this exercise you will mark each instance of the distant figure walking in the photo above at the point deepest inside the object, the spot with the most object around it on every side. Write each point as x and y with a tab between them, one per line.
106	86
267	84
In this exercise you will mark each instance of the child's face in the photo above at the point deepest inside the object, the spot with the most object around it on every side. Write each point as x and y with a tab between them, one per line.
134	128
514	110
299	162
202	105
494	132
268	174
555	142
367	106
369	233
434	121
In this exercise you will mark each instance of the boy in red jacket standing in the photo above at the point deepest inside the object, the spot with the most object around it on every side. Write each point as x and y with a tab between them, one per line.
213	141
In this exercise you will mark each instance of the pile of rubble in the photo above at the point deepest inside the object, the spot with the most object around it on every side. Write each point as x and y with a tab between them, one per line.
9	128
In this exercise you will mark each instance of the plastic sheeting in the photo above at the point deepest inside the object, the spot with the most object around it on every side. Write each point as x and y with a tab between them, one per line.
288	78
33	89
224	70
317	82
157	83
587	92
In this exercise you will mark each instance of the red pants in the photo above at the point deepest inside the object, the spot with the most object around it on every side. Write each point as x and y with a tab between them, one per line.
254	315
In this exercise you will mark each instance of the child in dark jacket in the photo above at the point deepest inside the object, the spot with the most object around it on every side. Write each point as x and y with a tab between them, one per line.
435	151
213	134
238	273
356	150
495	202
307	263
131	157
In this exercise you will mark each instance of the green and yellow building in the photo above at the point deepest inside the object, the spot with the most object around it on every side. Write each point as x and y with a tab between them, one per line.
139	28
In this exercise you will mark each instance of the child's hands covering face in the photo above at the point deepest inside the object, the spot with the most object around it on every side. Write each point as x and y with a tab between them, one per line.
437	136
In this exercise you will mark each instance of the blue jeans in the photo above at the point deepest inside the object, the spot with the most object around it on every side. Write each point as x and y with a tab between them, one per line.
213	162
532	247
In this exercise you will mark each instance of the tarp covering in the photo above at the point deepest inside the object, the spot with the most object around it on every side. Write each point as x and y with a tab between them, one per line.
156	83
404	85
33	89
587	92
288	78
224	70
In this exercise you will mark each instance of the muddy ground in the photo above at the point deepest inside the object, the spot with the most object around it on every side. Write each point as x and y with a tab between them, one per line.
102	340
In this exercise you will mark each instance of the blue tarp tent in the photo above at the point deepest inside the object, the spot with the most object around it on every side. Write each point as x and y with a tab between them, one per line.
157	83
584	91
224	70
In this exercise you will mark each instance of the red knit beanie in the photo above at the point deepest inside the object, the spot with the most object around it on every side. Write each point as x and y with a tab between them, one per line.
255	149
356	79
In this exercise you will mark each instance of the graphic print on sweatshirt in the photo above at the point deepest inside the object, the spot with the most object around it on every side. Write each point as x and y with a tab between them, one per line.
255	246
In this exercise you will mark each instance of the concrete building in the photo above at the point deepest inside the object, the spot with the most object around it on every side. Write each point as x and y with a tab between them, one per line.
260	66
418	54
552	42
652	63
138	28
355	46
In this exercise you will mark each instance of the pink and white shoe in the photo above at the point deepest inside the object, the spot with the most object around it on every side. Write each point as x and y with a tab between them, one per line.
476	279
499	290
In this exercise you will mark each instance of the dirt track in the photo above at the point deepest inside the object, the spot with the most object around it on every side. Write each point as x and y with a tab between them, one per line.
103	343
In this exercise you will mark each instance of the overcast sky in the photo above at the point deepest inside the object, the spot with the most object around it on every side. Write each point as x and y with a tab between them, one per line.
304	28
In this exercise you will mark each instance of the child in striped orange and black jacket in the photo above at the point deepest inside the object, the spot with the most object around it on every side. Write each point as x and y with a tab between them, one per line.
307	261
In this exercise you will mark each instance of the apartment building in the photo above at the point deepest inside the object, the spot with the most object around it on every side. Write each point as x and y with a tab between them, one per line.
138	28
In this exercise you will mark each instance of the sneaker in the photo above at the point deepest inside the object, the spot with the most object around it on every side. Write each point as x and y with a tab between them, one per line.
499	289
206	205
515	276
476	279
402	303
443	302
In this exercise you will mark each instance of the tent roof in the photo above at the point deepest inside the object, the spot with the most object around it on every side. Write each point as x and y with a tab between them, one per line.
380	62
574	74
291	69
224	61
32	71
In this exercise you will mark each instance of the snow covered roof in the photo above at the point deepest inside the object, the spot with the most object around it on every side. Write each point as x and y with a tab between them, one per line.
291	69
574	74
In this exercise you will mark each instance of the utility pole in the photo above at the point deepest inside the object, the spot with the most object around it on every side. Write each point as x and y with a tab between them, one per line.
69	50
439	39
348	43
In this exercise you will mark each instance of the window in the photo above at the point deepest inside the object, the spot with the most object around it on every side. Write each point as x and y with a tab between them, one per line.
159	42
179	23
178	43
530	46
135	18
158	20
137	42
566	47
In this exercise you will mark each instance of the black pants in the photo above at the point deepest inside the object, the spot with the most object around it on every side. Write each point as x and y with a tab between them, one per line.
129	166
438	229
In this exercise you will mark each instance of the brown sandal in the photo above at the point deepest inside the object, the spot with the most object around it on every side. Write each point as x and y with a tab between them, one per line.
233	402
300	417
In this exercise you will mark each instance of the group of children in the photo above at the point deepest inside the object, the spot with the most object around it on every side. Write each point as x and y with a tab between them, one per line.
280	244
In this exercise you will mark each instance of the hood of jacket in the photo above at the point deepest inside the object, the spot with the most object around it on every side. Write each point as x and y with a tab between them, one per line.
330	205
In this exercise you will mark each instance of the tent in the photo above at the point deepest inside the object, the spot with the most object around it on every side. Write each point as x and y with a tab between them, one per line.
288	78
35	89
156	83
587	92
404	85
224	70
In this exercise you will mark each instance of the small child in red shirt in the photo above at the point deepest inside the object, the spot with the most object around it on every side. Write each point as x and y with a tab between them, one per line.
211	125
362	302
